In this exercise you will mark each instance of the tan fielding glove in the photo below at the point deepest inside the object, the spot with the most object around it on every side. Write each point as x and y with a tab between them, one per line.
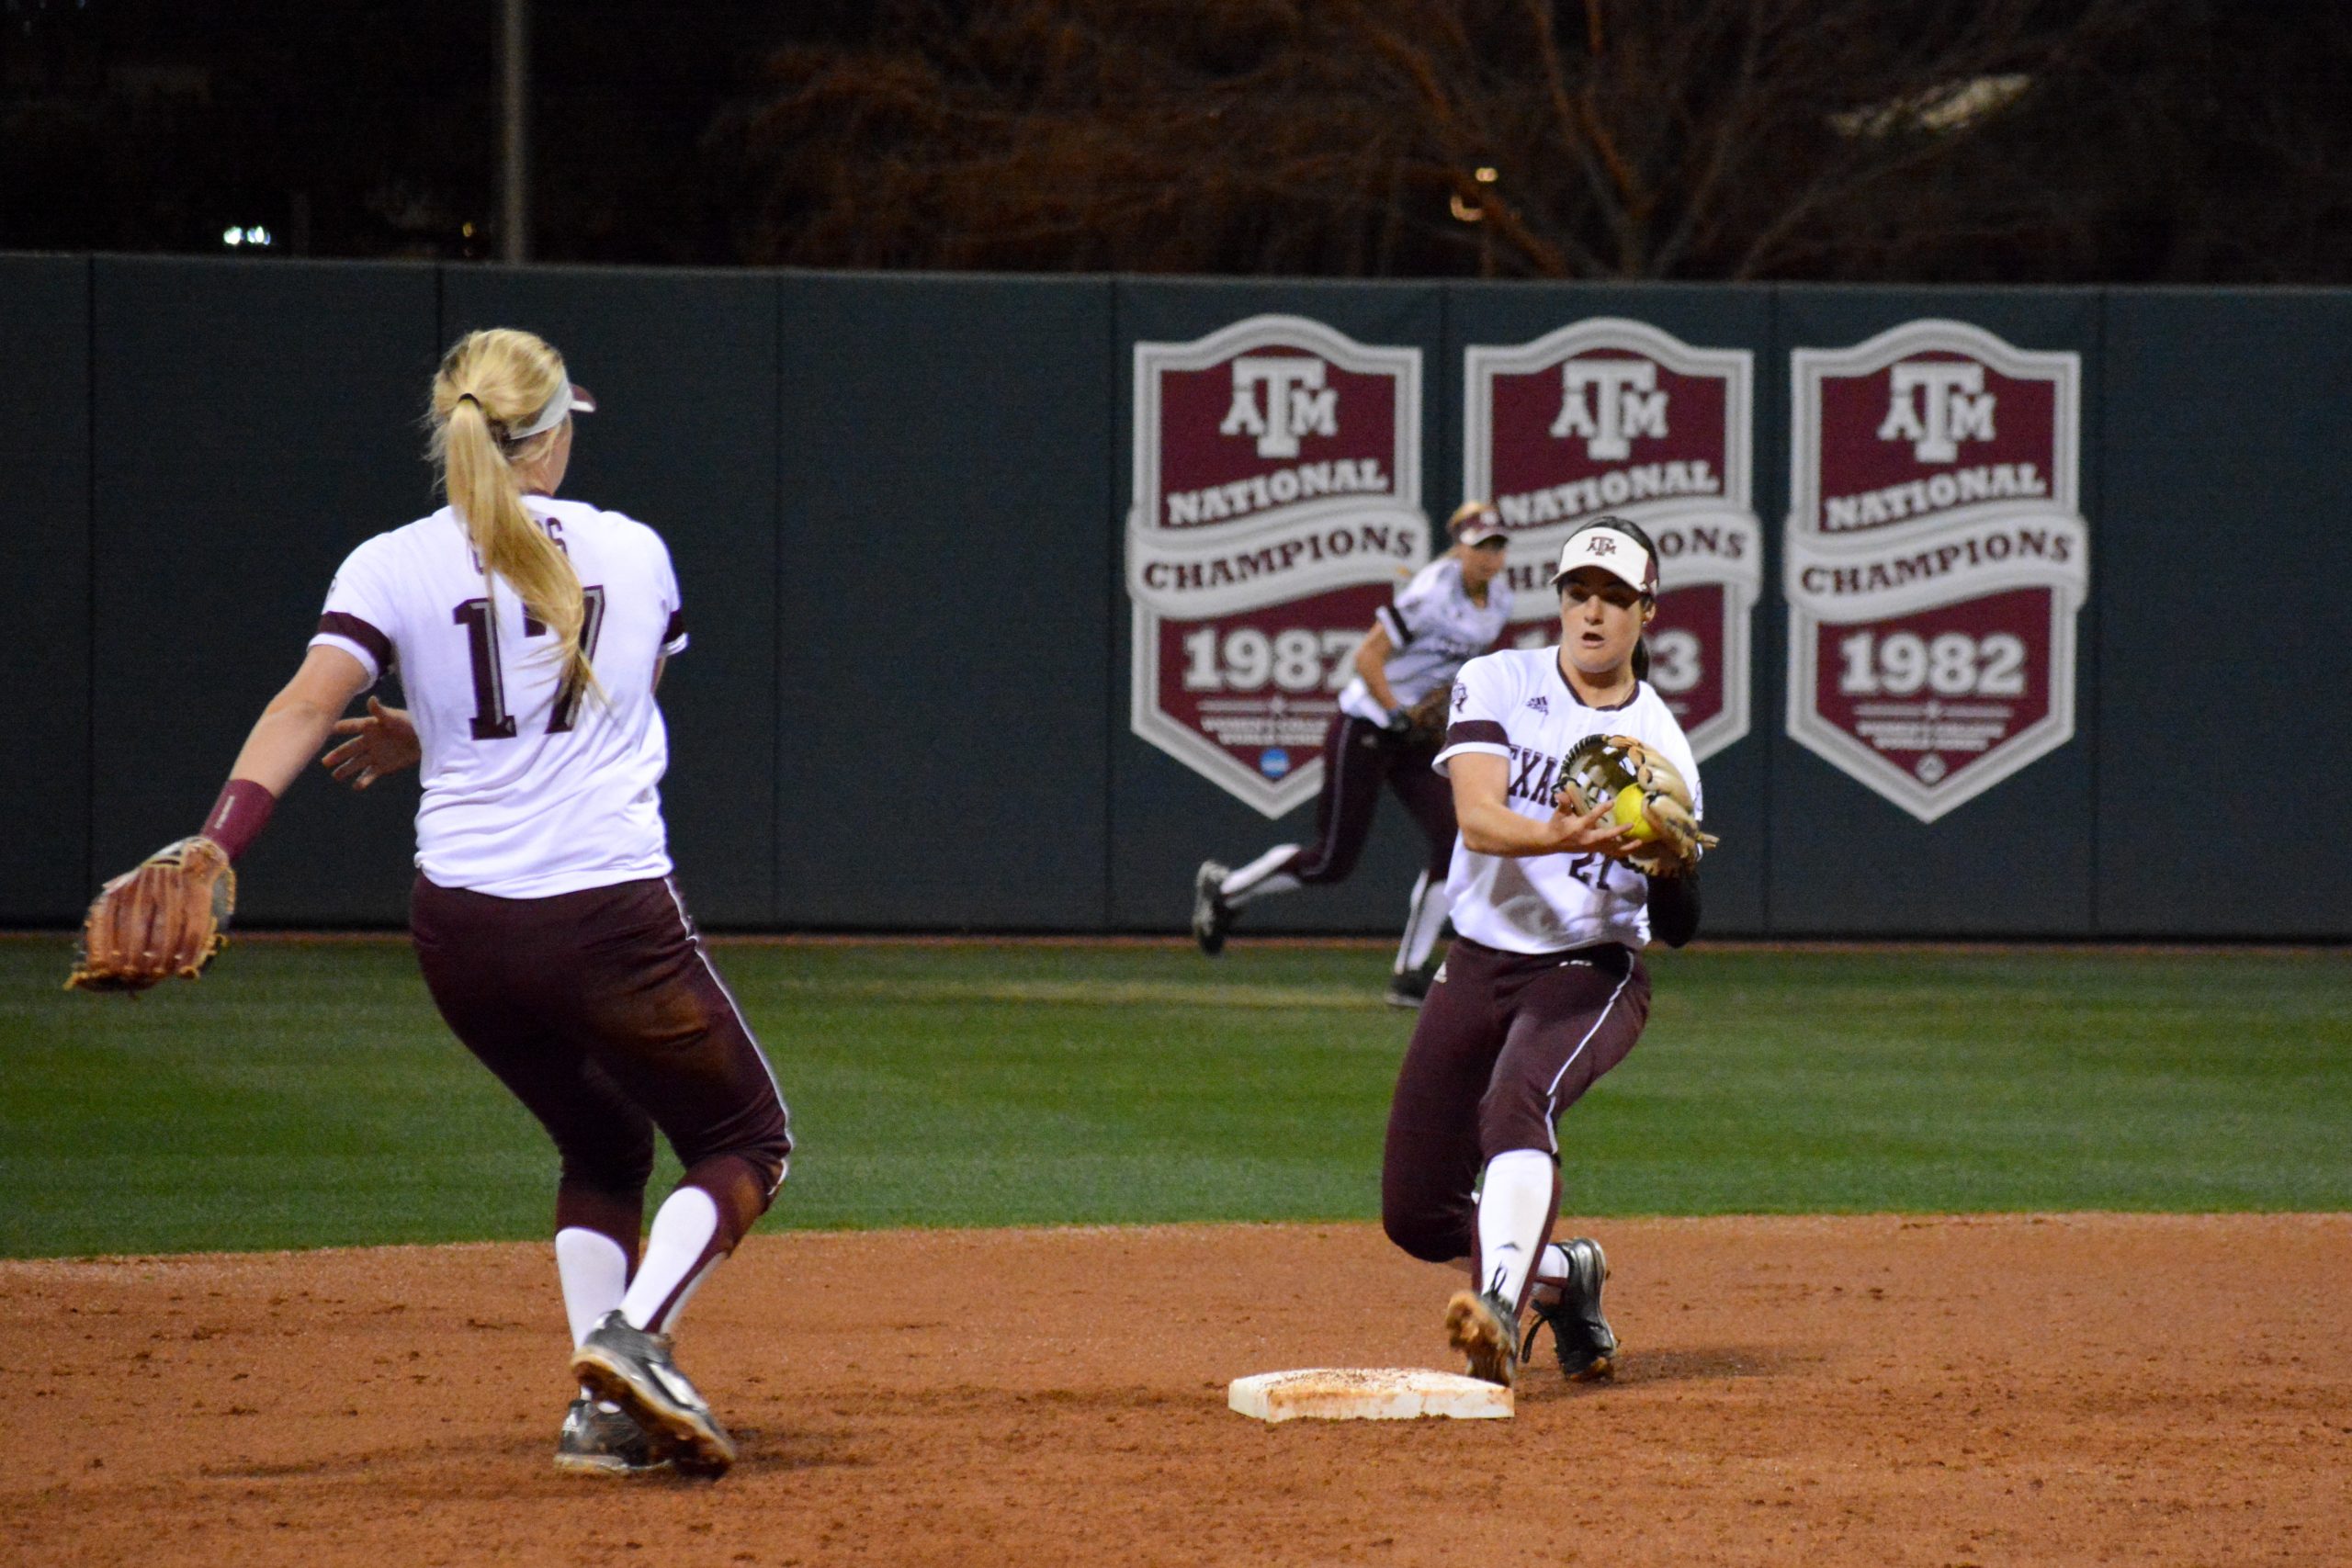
1648	795
164	917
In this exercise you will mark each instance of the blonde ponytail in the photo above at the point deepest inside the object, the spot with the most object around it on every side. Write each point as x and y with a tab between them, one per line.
490	382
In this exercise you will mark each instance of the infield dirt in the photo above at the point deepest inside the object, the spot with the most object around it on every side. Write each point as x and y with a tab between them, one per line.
1880	1390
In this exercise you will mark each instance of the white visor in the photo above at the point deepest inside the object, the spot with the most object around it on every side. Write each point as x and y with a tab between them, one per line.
568	400
1479	529
1619	555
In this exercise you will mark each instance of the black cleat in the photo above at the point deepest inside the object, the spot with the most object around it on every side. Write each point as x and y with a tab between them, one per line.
1581	1337
1485	1330
633	1368
604	1440
1211	915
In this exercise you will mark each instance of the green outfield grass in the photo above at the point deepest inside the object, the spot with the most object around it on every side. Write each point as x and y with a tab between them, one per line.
305	1094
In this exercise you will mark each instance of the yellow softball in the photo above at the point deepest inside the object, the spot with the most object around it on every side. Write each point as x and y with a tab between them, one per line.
1630	812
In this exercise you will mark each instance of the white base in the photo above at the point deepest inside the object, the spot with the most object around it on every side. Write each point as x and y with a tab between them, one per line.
1367	1393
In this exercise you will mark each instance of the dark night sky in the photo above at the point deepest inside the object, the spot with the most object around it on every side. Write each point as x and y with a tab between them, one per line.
154	124
356	129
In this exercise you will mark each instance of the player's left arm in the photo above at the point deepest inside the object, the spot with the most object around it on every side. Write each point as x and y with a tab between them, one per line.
1674	907
165	916
1499	597
1674	900
283	740
1371	661
299	718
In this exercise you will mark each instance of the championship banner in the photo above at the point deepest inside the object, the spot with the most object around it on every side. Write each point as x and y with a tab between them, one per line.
1615	416
1277	505
1936	559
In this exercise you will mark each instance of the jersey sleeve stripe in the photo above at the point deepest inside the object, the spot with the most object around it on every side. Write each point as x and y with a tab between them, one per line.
1477	731
351	628
1394	624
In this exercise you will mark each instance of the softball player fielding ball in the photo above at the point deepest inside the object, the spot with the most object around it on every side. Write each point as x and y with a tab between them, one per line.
530	634
1543	989
1450	609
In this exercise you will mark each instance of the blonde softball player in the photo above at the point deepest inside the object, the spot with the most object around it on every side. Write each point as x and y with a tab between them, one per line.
1453	608
529	634
1543	989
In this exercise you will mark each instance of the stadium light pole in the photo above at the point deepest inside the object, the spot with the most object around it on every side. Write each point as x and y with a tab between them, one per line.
514	51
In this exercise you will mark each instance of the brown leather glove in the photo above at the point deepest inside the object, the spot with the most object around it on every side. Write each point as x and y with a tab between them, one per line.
162	918
1604	767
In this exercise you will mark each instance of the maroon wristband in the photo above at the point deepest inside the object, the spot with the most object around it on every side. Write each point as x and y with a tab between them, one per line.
238	816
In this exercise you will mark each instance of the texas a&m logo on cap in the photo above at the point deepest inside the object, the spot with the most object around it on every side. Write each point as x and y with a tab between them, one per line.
1614	416
1604	544
1936	559
1276	506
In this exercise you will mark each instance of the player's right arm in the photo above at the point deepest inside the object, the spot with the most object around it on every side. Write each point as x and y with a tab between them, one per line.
1490	827
1371	663
380	742
1477	759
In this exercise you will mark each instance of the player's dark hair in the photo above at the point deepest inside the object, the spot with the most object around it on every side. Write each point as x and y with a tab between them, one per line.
1635	532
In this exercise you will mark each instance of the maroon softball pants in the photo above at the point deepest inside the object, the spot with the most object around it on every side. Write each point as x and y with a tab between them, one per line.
601	1012
1358	758
1506	1042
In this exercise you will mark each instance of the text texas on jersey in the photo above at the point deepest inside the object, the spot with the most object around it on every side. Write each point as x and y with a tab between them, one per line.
1611	415
1936	559
1277	505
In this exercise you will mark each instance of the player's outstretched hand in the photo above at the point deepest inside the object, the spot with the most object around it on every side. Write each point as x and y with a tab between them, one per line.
382	742
1587	832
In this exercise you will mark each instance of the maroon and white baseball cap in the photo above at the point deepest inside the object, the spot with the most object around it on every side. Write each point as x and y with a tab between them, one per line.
1613	550
1474	522
569	399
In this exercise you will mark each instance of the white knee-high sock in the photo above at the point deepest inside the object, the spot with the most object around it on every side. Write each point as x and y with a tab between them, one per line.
1424	917
1257	880
1514	1206
1551	1273
594	1273
674	1249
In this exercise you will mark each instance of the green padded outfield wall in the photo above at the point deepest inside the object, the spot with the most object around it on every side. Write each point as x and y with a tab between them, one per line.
45	585
946	604
2224	600
252	425
900	507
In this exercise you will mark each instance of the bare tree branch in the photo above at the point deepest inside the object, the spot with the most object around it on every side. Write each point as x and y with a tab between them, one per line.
1675	138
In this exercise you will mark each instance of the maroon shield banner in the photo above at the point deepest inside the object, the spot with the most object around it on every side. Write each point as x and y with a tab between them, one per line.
1936	559
1611	415
1276	507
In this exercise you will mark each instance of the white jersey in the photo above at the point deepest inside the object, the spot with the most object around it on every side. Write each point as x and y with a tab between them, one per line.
1432	627
524	798
1517	705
